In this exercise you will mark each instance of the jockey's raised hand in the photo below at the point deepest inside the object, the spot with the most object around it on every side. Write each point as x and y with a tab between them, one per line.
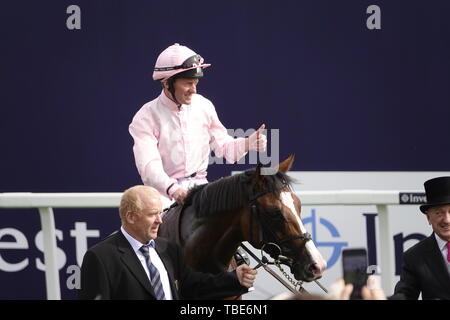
257	140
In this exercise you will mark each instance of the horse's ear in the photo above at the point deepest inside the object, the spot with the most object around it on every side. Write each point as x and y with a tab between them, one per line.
286	164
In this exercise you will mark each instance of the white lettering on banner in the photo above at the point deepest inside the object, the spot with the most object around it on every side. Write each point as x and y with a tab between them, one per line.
60	255
20	242
81	233
74	20
374	20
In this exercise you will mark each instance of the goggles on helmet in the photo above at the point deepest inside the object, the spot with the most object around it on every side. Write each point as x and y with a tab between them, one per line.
191	62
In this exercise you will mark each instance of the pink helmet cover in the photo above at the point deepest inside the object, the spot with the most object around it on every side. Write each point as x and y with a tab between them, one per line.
174	56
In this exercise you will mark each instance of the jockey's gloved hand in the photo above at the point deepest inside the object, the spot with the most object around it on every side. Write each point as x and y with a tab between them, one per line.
179	195
257	140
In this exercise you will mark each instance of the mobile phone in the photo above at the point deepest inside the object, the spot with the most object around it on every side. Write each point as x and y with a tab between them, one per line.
354	266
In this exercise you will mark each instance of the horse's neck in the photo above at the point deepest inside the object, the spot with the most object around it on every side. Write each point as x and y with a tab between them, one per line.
210	247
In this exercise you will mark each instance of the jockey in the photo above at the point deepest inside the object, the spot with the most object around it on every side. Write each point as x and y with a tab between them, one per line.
174	133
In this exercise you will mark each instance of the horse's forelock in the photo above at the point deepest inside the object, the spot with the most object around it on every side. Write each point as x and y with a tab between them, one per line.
275	183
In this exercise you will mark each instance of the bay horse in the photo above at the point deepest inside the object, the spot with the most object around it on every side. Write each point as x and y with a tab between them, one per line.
250	206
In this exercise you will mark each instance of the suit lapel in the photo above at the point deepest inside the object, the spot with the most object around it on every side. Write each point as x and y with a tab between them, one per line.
161	248
435	262
129	258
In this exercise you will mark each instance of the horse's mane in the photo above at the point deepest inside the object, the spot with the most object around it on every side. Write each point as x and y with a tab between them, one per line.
231	193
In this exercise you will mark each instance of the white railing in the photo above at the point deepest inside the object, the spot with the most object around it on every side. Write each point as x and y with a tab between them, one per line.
381	199
45	202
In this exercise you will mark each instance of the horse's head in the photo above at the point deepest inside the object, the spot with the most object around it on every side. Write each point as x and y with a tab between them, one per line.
276	227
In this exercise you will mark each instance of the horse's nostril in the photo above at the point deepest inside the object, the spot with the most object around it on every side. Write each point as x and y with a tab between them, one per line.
314	268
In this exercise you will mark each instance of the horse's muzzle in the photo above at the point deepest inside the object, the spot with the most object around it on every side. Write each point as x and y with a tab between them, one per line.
307	273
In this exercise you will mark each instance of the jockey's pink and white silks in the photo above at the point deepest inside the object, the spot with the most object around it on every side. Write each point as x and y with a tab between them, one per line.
171	143
320	263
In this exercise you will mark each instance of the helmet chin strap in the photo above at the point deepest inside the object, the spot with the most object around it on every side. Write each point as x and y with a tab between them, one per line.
171	89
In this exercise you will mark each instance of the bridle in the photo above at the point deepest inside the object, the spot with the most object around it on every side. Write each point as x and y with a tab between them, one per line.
262	224
263	228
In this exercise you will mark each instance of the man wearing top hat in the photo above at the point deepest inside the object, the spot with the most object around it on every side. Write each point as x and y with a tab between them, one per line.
426	266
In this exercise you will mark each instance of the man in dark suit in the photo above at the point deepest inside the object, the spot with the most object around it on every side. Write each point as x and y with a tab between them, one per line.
133	263
426	266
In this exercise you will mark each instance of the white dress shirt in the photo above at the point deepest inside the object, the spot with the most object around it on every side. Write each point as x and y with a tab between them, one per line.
156	260
442	244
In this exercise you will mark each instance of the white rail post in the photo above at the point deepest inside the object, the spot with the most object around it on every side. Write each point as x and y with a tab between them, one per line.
386	250
51	265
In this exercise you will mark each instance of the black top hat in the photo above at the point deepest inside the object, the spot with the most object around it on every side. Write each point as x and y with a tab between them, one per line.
438	192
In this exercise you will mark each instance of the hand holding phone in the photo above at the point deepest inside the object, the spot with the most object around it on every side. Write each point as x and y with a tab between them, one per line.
354	266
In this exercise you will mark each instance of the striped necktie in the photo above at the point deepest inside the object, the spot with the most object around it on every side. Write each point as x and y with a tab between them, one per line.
448	251
155	279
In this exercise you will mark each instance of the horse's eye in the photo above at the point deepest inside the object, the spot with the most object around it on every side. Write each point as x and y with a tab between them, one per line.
276	215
